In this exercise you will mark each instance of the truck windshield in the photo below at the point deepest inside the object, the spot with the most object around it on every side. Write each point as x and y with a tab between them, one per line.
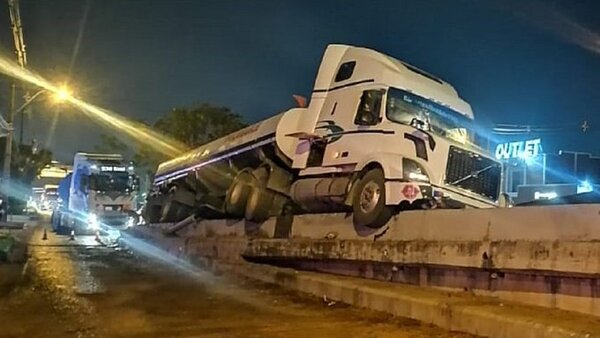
410	109
111	181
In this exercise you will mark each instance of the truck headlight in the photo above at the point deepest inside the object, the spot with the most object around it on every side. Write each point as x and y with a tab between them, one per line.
93	222
412	171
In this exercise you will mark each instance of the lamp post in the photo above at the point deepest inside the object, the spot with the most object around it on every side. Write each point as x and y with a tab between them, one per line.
62	94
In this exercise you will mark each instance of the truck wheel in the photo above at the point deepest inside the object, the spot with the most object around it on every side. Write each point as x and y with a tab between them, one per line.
53	222
170	212
183	212
237	195
78	227
152	213
61	227
259	204
368	203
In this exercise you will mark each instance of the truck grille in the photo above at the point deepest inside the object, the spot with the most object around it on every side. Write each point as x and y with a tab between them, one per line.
470	171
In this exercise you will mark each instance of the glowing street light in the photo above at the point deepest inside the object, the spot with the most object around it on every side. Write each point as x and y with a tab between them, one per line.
63	93
59	95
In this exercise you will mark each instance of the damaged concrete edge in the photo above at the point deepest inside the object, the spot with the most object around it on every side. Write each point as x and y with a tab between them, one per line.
475	315
482	316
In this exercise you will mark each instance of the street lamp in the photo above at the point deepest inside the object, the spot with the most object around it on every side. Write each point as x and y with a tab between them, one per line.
61	94
29	101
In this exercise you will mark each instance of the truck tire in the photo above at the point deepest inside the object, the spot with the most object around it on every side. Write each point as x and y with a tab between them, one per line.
152	213
238	194
61	227
53	221
368	200
170	211
259	204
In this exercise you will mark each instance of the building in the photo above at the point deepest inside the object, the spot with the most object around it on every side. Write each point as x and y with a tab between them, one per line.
530	174
51	174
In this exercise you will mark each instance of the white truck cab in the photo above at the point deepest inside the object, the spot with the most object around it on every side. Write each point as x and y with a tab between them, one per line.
100	194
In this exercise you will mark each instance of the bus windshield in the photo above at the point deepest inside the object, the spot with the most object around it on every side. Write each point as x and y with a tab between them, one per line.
111	181
414	110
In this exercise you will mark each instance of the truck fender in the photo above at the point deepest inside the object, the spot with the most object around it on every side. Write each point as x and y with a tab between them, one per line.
390	163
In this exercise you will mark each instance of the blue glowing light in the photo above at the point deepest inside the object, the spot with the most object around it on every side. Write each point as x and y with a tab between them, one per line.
584	186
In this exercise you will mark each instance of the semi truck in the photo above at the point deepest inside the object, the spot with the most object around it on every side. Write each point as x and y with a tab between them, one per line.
49	198
100	192
377	137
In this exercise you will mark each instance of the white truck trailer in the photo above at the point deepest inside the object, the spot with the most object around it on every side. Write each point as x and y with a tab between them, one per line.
378	136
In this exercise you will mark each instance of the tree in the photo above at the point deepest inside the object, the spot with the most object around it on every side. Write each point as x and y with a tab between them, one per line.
192	126
111	144
200	125
26	163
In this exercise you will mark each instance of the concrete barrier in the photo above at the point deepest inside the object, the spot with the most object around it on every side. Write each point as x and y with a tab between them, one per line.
546	255
544	223
465	312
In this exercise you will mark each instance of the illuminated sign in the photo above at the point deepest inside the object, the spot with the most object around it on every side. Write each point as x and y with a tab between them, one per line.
545	195
110	168
519	149
584	186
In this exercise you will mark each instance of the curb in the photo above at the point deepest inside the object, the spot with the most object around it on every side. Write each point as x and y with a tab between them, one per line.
465	313
453	311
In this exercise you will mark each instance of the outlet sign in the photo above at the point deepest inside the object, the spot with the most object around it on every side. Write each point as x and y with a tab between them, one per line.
519	149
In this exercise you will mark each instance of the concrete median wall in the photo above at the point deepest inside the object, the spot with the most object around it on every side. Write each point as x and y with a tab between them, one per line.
548	223
546	256
482	316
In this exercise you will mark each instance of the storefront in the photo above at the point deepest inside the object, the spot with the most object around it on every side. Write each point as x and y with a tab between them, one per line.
530	174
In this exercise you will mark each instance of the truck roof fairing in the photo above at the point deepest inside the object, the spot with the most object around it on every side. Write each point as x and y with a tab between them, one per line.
382	69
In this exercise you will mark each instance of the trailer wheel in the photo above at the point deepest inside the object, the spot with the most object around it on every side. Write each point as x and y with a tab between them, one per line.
259	204
184	212
152	213
368	203
170	211
238	194
152	209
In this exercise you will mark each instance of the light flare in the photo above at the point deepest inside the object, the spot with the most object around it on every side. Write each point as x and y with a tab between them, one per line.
143	134
553	19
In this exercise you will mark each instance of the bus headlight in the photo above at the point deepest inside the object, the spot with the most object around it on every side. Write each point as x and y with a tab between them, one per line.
412	171
93	222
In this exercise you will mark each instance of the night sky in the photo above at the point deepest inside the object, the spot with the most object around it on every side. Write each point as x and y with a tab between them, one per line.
517	62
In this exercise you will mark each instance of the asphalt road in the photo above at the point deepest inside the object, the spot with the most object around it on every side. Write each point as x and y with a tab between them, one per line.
82	289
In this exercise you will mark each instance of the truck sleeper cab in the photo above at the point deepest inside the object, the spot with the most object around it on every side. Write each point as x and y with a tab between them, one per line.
378	136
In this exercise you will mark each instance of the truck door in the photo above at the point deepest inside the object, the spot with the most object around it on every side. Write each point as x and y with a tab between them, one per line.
357	129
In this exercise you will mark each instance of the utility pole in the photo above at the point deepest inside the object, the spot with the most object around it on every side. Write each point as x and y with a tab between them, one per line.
17	30
8	150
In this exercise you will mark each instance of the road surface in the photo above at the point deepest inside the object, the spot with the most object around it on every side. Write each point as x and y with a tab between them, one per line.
81	289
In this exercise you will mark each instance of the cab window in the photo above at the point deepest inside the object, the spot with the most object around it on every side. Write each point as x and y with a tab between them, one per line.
369	107
345	71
